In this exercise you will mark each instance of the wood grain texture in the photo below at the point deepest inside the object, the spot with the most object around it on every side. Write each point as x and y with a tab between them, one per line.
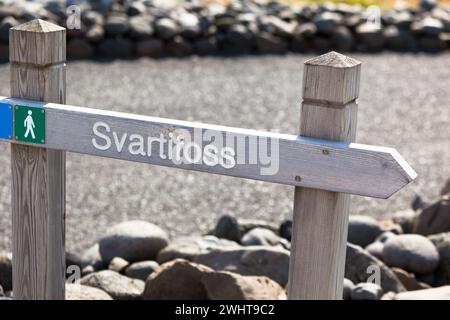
37	51
332	78
319	233
351	168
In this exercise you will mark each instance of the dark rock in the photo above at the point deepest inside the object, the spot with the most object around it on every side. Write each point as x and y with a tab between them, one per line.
116	25
141	27
267	43
276	26
357	263
371	37
189	25
348	287
399	40
94	33
116	285
205	46
413	253
141	270
166	28
285	230
342	39
119	47
363	230
136	8
6	24
321	44
406	219
271	262
366	291
78	48
428	26
327	22
434	218
190	247
133	241
81	292
442	243
227	227
90	18
178	47
418	202
152	47
428	5
5	272
4	52
431	44
306	30
238	39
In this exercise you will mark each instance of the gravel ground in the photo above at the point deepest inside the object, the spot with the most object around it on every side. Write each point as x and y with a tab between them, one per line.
404	103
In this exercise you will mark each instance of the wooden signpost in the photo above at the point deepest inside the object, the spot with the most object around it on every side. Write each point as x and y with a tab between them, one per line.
323	163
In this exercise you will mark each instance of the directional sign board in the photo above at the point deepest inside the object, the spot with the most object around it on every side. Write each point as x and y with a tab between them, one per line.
6	121
29	124
267	156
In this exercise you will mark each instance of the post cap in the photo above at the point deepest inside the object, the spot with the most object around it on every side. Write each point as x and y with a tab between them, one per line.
37	42
331	78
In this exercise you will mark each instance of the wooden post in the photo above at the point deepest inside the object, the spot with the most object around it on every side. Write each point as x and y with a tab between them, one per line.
329	111
37	57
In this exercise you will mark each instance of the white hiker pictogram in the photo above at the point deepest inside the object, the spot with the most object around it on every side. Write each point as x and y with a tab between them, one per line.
29	124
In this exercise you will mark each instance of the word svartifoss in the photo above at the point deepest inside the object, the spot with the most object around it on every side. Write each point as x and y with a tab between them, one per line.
198	146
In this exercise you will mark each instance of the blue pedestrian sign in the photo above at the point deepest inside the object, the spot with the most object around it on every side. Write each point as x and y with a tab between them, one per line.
6	121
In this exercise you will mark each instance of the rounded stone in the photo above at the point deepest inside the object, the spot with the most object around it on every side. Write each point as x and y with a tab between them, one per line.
411	252
133	241
363	230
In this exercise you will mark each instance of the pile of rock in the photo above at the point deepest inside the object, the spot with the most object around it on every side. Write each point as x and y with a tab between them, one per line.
406	256
119	28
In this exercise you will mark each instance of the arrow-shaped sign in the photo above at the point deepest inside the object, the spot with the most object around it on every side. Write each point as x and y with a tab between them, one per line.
268	156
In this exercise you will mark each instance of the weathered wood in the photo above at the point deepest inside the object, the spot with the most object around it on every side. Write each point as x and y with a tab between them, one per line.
319	233
337	166
37	55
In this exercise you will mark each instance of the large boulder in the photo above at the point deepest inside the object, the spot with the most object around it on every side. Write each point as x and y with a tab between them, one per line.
434	218
5	272
195	281
81	292
357	269
116	285
271	262
411	252
133	241
442	243
363	230
190	247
